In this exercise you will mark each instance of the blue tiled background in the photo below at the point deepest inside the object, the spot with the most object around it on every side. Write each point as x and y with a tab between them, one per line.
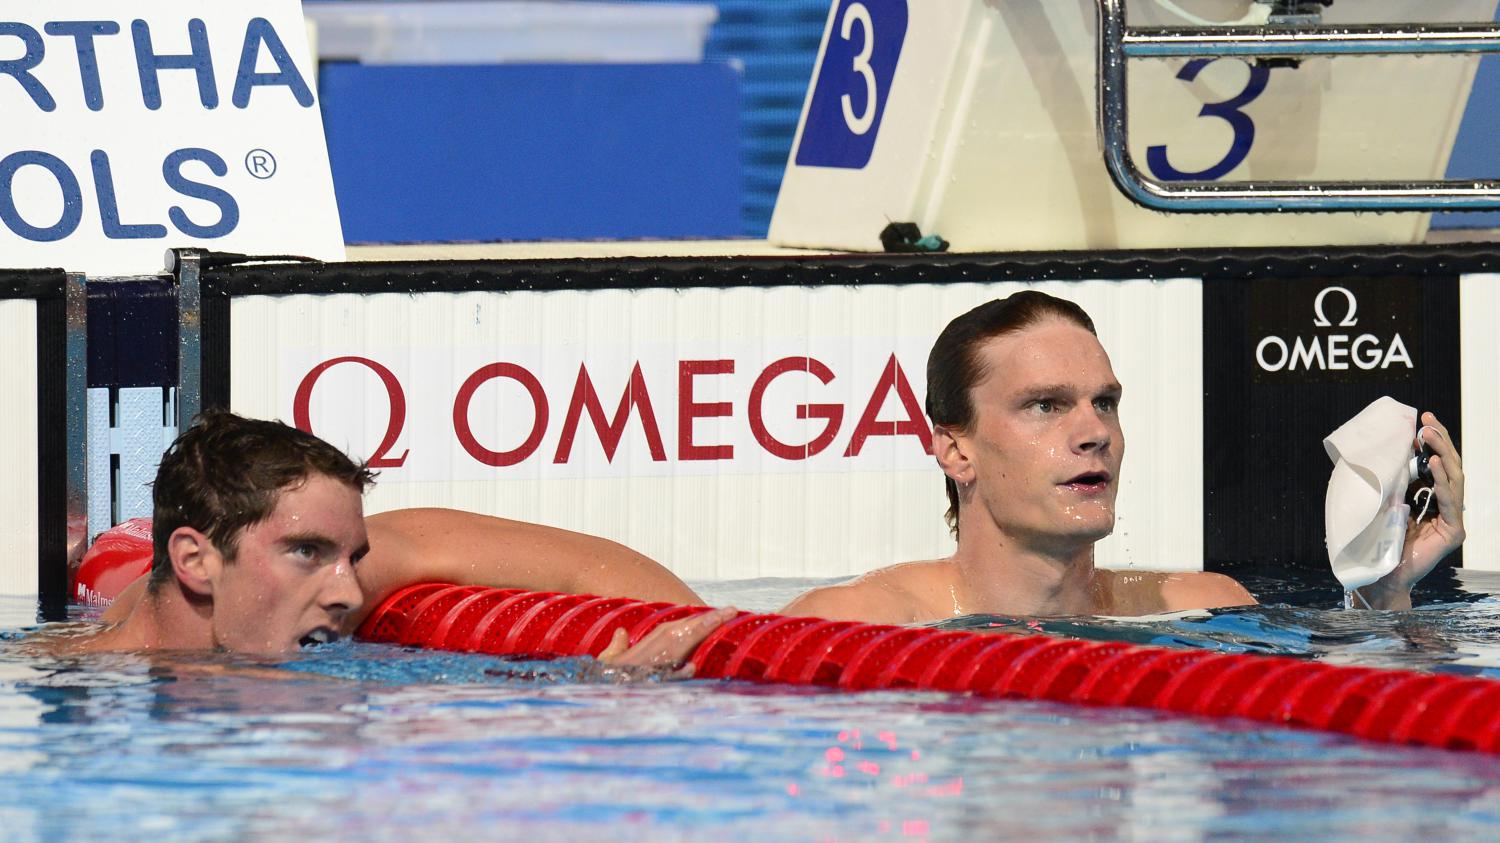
776	41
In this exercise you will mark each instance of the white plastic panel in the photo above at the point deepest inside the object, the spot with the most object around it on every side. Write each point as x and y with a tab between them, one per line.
753	514
123	458
486	32
141	437
101	477
19	547
1479	302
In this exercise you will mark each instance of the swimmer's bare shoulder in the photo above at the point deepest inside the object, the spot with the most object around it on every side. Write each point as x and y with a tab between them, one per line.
1155	592
897	594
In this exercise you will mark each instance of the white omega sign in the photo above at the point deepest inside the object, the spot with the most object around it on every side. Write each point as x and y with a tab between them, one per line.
1334	351
1349	319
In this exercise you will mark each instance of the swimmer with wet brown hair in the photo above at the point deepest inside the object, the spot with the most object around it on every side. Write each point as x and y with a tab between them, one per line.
260	546
1025	425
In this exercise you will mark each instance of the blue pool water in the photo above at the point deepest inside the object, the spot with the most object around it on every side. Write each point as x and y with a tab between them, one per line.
366	742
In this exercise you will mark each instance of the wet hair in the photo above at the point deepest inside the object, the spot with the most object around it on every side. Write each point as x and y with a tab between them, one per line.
226	472
954	367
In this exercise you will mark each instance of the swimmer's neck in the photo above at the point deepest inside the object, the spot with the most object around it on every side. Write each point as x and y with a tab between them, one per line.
1001	574
168	619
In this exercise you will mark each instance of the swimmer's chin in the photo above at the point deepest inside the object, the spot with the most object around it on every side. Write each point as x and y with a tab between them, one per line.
1091	529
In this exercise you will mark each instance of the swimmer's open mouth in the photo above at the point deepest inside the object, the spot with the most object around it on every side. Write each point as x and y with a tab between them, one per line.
1089	479
321	635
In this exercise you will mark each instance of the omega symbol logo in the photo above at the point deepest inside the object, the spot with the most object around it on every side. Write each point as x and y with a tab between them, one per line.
1349	319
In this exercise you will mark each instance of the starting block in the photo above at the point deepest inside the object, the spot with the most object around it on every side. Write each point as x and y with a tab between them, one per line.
977	121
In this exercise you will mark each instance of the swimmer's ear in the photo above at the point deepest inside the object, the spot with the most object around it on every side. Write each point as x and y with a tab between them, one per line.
194	560
952	455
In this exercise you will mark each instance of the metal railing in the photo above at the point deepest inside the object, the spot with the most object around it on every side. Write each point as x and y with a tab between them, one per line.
1119	43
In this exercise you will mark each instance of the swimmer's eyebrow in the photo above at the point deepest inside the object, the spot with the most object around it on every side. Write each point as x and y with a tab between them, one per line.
307	538
1111	388
1046	389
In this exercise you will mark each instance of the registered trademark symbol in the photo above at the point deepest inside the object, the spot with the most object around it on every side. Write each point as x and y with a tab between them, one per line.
260	163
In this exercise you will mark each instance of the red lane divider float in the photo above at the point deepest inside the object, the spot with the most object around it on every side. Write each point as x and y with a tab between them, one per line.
116	559
1440	710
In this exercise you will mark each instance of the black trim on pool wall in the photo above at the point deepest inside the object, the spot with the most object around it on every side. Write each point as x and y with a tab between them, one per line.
215	349
132	333
52	454
30	283
840	270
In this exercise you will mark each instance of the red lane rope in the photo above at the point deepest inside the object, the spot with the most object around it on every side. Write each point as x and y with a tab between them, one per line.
1438	710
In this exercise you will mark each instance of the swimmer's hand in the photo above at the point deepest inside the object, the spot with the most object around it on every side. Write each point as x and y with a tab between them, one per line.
1432	538
664	650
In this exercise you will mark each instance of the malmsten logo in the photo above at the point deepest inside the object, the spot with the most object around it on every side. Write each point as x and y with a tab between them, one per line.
1336	350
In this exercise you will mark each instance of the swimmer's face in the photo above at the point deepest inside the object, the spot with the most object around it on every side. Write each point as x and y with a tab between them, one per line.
1046	443
292	580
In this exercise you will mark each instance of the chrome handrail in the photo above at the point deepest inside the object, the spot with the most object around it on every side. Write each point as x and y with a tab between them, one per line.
1119	43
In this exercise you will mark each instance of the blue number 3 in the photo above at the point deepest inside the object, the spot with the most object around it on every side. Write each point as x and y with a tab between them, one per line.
1228	111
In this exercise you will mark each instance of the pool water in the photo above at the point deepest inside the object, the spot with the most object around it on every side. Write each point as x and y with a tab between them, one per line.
357	741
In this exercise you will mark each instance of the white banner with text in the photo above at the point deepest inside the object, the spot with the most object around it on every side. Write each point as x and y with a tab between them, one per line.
729	433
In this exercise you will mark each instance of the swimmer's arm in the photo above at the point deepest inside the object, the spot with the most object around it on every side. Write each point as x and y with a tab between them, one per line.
410	546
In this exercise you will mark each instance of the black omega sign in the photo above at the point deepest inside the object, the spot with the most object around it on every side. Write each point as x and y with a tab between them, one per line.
1344	330
1286	360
